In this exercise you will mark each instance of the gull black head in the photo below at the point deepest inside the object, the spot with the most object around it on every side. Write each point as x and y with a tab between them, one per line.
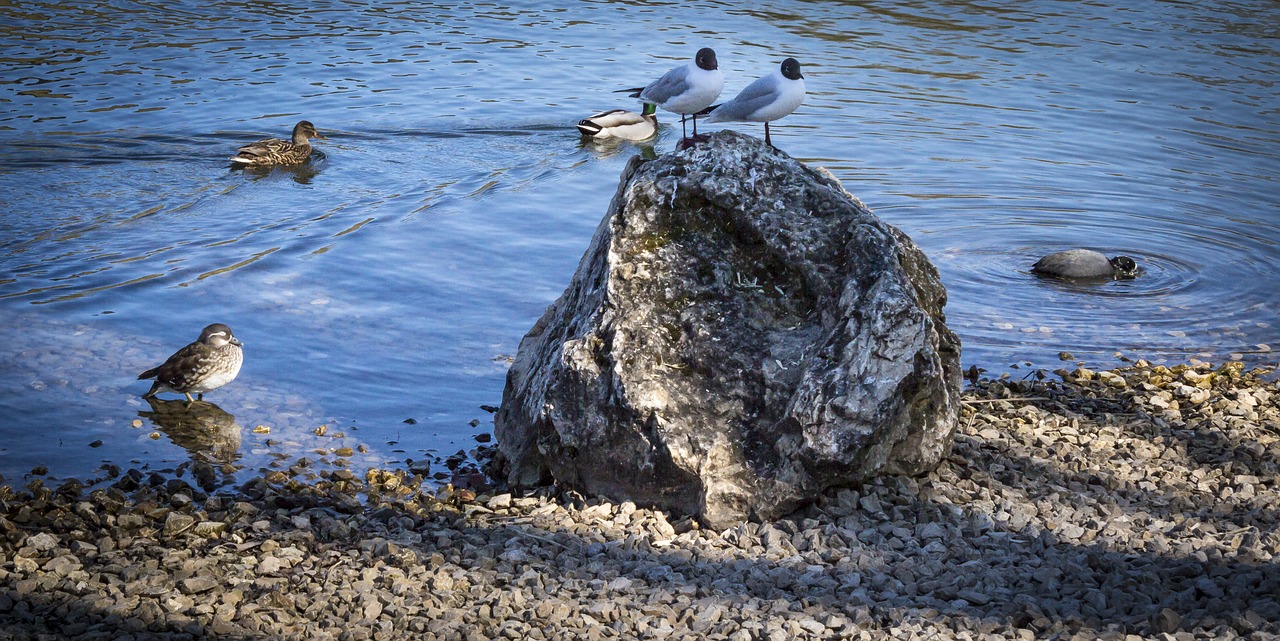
791	69
307	129
217	335
706	59
1125	267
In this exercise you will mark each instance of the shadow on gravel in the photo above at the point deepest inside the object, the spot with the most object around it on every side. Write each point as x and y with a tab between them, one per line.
1051	518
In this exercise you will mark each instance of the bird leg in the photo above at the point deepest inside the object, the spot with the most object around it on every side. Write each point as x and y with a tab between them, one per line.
696	138
766	134
189	399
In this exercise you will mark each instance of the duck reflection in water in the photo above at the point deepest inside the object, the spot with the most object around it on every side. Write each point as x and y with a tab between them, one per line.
602	148
301	173
207	432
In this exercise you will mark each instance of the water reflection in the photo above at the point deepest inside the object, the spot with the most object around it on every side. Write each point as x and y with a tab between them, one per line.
604	148
207	432
302	173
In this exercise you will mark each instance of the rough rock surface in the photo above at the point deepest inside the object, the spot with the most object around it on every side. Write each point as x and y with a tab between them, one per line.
741	334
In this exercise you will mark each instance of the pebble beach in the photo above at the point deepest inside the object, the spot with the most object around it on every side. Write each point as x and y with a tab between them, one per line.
1136	503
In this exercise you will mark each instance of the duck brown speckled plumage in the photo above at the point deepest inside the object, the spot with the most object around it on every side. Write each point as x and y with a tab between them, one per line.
273	151
205	365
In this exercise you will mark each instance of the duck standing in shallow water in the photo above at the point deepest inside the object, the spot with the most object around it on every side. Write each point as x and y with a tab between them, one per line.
205	365
1085	263
687	89
768	98
623	124
273	151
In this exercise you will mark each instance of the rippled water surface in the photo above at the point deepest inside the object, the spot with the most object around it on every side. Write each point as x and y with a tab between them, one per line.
382	289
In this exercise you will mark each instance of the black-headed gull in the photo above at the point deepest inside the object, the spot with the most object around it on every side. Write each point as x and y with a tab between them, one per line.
767	99
687	89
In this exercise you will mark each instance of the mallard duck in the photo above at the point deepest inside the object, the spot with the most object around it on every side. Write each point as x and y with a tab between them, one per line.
620	123
768	98
686	89
1085	263
273	151
205	365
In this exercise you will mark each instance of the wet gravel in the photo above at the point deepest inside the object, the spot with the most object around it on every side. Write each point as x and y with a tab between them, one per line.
1135	503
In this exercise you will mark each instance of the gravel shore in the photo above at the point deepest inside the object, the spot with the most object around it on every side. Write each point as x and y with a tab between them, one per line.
1135	503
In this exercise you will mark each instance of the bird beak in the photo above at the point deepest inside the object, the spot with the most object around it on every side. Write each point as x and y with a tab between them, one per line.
236	342
318	135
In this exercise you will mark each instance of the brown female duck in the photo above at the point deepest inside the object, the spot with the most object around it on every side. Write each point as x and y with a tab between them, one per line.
273	151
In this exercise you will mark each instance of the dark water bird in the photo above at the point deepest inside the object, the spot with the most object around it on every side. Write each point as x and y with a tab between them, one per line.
1085	263
767	99
273	151
622	124
205	365
686	89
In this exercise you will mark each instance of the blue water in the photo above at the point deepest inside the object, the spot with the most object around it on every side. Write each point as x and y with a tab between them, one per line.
391	279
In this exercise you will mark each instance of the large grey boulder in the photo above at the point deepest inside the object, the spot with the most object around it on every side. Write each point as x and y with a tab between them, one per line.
741	334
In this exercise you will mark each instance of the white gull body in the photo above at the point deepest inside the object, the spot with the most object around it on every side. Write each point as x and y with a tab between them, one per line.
767	99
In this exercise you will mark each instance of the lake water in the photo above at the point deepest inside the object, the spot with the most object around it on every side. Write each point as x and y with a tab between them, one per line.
382	289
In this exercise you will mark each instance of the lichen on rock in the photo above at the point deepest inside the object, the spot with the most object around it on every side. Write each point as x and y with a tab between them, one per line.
741	334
